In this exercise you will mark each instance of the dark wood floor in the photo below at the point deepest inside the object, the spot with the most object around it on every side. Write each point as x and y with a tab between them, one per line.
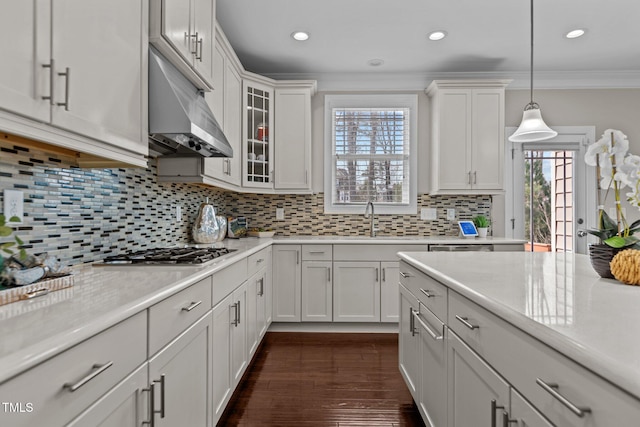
319	379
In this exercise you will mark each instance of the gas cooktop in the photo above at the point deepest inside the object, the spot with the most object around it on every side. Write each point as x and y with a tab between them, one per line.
174	255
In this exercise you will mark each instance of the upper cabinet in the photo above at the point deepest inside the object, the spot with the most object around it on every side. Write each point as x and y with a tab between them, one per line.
267	123
467	136
74	76
184	31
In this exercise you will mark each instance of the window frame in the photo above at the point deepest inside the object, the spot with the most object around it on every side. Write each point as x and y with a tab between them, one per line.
409	101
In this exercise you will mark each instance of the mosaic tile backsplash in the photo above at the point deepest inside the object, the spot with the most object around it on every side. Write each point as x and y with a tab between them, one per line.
83	215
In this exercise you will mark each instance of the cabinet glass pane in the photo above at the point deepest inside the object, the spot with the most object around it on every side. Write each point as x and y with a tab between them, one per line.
258	136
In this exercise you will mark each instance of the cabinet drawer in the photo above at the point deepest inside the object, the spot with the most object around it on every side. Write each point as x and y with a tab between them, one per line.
170	317
373	252
62	387
257	261
227	280
431	293
523	360
317	252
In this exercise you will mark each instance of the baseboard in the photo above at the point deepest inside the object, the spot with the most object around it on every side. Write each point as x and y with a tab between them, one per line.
391	328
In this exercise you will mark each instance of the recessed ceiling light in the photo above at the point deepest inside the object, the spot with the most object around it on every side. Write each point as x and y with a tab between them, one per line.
300	35
437	35
574	34
375	62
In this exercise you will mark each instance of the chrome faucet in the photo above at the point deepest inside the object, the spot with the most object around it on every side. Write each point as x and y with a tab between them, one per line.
373	228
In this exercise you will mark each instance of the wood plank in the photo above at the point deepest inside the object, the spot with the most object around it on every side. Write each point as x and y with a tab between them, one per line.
323	379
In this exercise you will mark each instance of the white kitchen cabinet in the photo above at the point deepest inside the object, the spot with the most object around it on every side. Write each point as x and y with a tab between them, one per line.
356	291
126	405
226	103
287	283
292	135
389	292
408	343
476	392
257	138
184	32
224	315
317	291
78	70
467	141
181	375
239	325
251	314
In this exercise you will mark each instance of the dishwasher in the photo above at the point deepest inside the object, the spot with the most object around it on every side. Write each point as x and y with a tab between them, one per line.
461	248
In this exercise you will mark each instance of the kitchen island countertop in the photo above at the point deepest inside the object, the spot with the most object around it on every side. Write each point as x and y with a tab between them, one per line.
557	299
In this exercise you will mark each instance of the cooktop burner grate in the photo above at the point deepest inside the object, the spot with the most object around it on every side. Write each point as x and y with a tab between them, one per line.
188	255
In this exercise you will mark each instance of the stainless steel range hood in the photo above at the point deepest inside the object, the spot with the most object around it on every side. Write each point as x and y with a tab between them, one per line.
180	121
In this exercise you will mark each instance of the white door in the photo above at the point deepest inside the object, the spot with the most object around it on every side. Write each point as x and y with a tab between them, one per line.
551	192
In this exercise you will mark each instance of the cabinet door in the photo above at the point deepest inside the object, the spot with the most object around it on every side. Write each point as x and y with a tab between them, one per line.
215	98
99	76
25	30
176	28
433	367
251	313
454	157
487	145
408	349
203	40
473	385
356	291
222	387
317	291
292	138
233	122
287	283
258	145
524	414
125	405
389	292
181	372
239	353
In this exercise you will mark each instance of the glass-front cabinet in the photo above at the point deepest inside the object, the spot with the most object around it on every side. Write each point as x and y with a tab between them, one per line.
258	150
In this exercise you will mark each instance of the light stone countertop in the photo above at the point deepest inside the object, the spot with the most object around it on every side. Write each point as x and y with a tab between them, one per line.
556	298
406	240
36	330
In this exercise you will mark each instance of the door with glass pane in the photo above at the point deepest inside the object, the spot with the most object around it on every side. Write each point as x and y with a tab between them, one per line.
553	193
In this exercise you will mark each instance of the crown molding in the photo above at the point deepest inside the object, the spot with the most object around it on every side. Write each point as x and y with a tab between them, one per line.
380	81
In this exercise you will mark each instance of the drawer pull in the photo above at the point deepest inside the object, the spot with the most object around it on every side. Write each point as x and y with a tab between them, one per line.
191	306
427	293
551	389
506	420
412	321
316	252
405	275
98	369
426	327
260	260
465	322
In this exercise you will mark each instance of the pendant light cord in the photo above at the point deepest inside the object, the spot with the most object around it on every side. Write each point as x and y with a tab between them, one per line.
531	92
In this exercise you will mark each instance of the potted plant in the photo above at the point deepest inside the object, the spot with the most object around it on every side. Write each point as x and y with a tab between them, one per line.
482	224
616	169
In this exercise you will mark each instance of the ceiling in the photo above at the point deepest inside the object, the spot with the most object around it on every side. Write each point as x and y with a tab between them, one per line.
490	36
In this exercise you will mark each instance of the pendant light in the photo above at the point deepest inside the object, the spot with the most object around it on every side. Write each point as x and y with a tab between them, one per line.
532	128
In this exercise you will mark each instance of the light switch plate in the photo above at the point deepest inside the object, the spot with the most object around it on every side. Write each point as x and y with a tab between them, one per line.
451	214
178	213
428	214
13	206
280	214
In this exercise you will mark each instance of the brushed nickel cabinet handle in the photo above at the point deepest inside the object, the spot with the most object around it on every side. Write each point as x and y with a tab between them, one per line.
194	36
97	370
161	395
199	43
427	293
405	275
412	321
494	408
426	327
235	322
506	421
384	274
52	74
191	306
152	405
551	388
465	322
67	77
377	275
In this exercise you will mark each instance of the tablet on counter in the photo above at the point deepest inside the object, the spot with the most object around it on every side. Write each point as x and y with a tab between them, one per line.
467	228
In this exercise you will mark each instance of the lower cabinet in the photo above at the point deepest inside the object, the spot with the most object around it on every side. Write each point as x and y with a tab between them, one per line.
238	325
126	405
356	291
180	378
477	394
287	283
317	291
389	292
224	315
408	345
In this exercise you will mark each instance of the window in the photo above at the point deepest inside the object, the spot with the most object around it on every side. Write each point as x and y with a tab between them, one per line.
370	153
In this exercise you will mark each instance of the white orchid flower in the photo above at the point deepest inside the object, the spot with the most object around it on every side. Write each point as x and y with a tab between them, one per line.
602	151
